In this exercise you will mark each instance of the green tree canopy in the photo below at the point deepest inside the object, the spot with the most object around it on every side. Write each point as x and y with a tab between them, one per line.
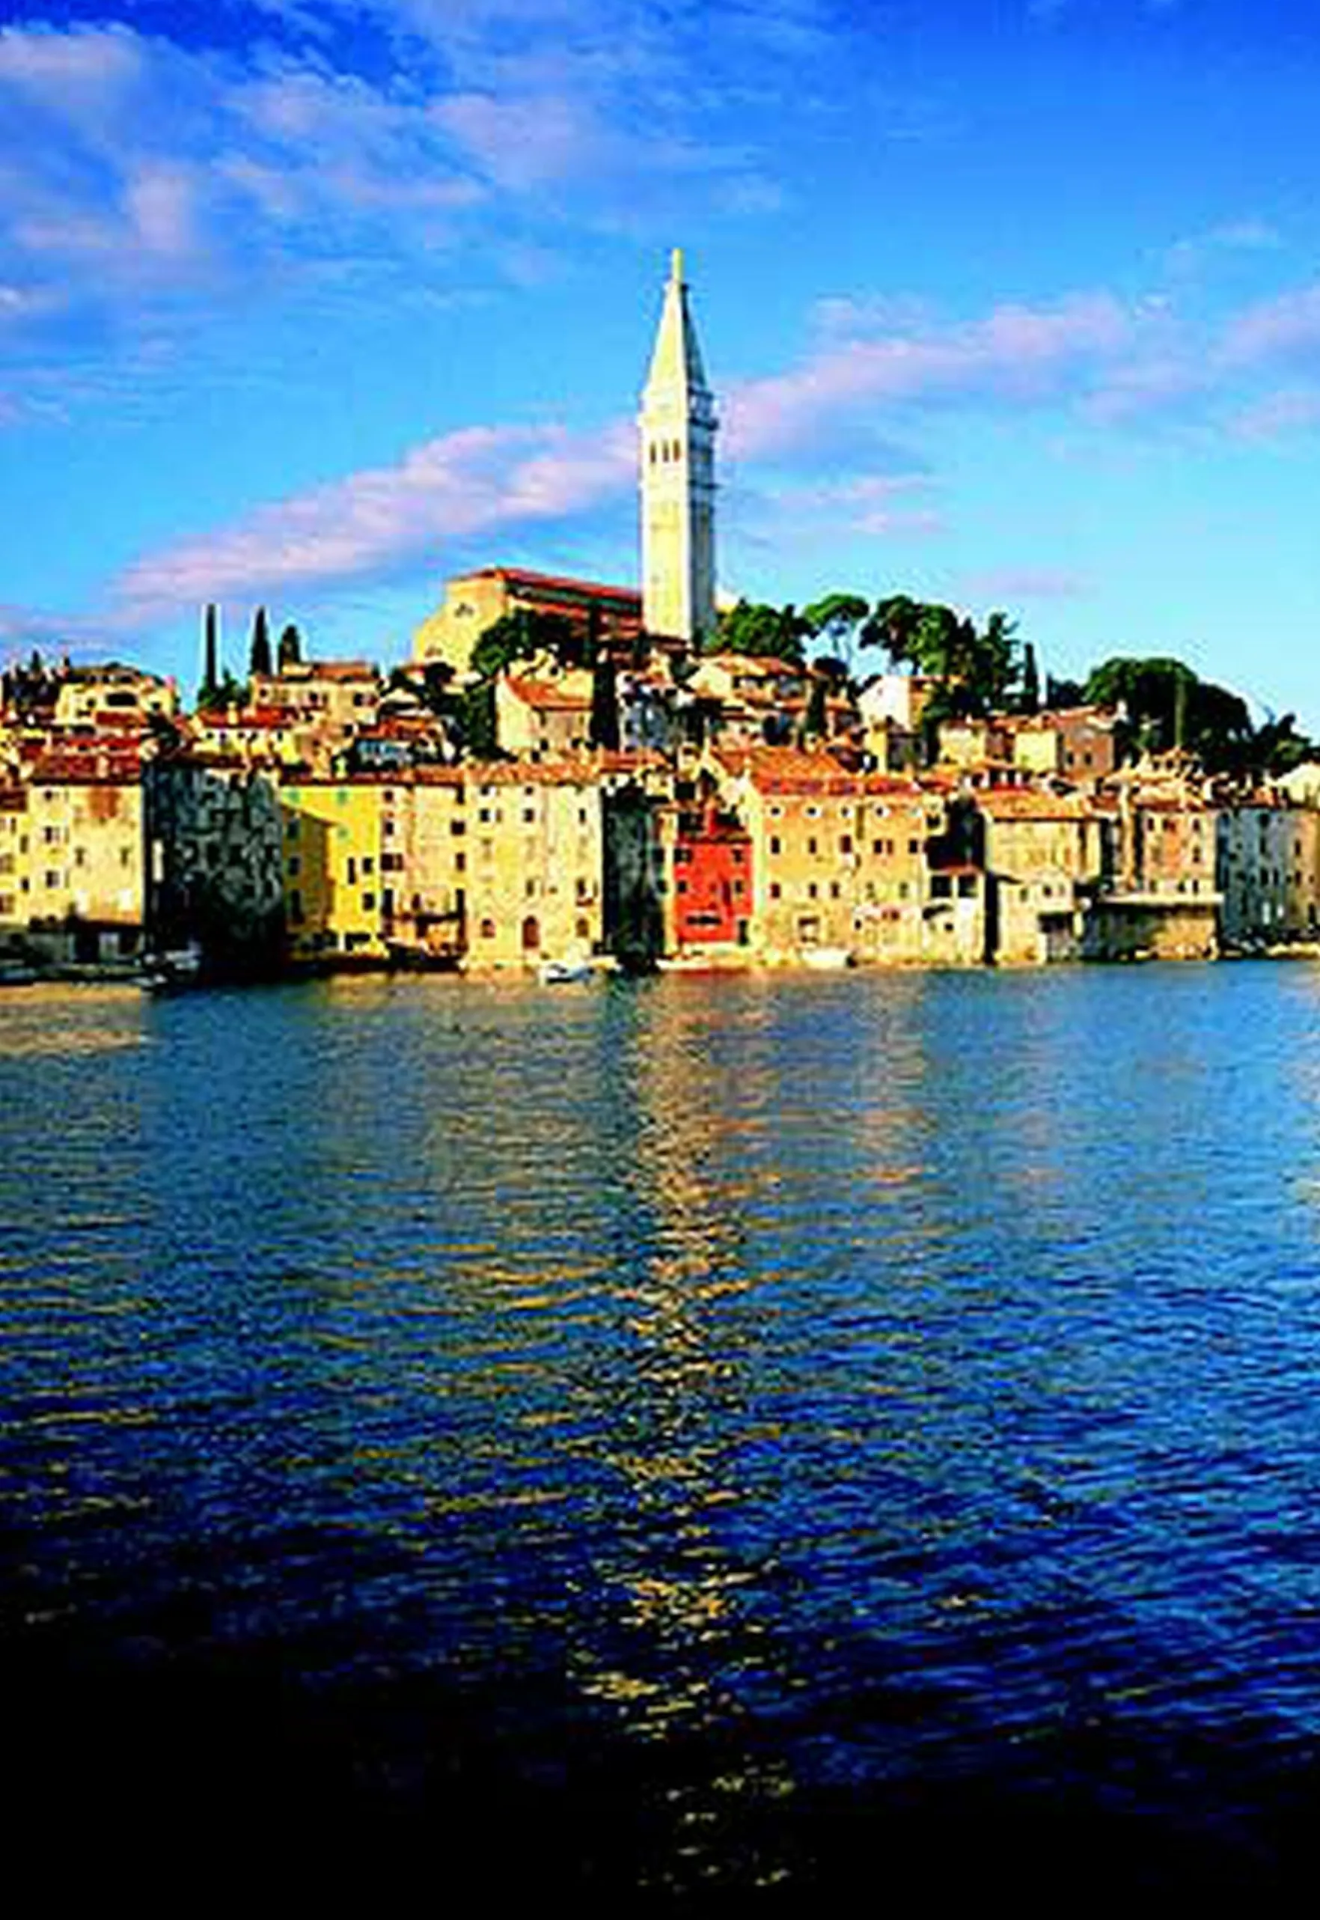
1167	706
521	635
760	630
837	619
980	668
1279	748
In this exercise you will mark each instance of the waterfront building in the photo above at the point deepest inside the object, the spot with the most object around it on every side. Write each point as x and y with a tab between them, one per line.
332	876
1164	902
214	832
863	865
535	860
424	865
708	884
677	447
1266	862
1046	856
15	851
80	896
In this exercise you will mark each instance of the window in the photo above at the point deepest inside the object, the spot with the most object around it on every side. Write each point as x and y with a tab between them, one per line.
775	890
775	843
811	844
368	903
845	843
458	828
488	930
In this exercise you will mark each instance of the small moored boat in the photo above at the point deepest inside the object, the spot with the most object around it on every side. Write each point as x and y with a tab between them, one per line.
558	973
827	959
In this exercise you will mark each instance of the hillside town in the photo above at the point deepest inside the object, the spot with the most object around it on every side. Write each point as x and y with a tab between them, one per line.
571	775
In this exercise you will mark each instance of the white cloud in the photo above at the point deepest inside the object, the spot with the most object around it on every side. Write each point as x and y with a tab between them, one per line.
1015	353
384	519
1284	328
1279	415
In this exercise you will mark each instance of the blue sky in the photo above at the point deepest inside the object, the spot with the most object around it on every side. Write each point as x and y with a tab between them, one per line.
1008	303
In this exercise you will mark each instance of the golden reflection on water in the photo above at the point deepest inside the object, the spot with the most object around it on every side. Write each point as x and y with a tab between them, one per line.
50	1021
675	1586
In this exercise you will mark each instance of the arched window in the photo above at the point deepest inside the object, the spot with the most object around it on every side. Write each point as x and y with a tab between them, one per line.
531	934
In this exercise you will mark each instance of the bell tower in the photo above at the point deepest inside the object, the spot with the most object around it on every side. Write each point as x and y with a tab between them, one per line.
678	426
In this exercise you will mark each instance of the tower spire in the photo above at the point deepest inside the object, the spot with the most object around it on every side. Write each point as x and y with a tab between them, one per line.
677	448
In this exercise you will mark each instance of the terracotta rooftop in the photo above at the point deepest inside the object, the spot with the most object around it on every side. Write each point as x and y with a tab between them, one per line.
559	583
548	695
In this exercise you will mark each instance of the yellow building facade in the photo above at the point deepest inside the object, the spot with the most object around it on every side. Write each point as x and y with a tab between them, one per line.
332	871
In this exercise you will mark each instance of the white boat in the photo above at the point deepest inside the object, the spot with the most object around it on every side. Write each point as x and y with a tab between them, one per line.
558	973
827	959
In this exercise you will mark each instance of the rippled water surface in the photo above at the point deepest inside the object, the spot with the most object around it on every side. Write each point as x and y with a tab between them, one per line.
694	1437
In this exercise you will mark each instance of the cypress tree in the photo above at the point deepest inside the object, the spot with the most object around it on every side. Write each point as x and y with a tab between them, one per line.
290	647
604	702
1030	680
210	655
259	659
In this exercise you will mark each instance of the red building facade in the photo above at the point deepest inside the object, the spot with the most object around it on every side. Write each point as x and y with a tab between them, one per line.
712	868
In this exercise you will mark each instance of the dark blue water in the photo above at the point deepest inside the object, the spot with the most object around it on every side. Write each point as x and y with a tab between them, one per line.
694	1438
